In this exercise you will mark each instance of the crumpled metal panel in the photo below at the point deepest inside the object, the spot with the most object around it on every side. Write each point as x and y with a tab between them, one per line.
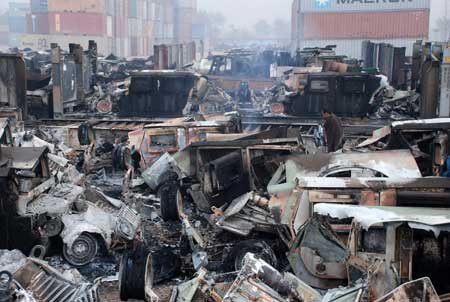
417	290
318	257
258	281
432	219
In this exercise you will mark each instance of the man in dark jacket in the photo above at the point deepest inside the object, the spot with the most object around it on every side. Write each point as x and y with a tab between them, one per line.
334	133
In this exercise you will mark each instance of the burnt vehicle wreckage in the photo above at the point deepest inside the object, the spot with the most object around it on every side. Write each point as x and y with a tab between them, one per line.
122	179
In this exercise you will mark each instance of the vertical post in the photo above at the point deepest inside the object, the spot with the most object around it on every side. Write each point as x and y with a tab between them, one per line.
58	108
180	61
444	101
430	88
93	54
391	244
77	52
156	57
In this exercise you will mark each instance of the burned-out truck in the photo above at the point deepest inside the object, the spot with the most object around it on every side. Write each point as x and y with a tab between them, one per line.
154	140
213	173
39	209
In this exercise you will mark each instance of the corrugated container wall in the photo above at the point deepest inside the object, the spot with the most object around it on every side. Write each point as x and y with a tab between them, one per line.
77	23
18	9
39	6
361	5
77	6
17	24
38	24
368	25
346	23
128	27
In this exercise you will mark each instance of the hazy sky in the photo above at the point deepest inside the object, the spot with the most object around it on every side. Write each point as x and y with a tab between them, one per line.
248	12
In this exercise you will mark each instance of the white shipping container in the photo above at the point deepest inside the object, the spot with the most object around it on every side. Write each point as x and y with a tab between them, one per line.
361	5
352	48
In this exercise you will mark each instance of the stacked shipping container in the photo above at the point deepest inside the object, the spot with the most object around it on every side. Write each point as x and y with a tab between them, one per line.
346	23
122	27
17	22
4	30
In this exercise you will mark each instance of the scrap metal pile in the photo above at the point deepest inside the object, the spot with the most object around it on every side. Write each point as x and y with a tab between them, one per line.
168	185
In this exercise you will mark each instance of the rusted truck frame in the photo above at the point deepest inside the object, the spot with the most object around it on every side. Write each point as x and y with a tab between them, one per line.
156	139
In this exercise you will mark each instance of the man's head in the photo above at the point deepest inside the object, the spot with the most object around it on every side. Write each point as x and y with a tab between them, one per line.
326	113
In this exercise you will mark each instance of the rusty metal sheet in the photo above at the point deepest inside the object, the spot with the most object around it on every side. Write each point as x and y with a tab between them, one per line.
432	219
396	163
317	256
23	158
373	183
376	136
417	290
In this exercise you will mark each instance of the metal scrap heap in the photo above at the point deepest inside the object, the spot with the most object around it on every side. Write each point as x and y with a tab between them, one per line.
210	182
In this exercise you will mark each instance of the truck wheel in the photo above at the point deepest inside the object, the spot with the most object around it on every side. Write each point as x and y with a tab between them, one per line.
170	199
83	250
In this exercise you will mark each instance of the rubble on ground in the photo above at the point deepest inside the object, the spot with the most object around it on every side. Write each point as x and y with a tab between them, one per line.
173	185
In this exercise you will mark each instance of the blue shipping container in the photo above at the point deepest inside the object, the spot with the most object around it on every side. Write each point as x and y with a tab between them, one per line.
17	24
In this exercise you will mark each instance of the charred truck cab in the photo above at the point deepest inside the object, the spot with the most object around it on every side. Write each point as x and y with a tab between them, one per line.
213	173
155	140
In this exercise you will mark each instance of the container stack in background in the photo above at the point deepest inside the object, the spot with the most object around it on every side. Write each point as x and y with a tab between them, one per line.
122	27
347	23
17	20
4	30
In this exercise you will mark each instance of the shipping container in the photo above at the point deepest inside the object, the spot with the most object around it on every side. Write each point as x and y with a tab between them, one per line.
18	9
119	27
110	7
359	5
168	12
132	9
38	24
149	29
368	25
39	6
17	24
183	25
77	6
135	27
353	47
77	23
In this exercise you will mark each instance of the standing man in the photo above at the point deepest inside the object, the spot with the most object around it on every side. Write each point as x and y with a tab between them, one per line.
334	134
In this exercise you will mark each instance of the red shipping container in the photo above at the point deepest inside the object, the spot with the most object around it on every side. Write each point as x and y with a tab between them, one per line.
77	23
119	27
37	24
366	25
77	6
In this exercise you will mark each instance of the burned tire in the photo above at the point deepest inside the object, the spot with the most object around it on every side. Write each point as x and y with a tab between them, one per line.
83	251
171	200
257	247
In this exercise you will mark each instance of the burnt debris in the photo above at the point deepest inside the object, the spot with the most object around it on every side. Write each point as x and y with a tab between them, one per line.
167	178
